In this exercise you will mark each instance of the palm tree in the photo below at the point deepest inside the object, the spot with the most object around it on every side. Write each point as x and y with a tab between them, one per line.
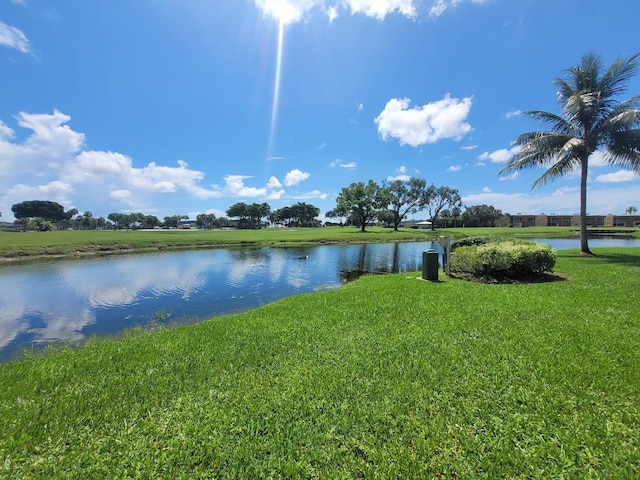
592	119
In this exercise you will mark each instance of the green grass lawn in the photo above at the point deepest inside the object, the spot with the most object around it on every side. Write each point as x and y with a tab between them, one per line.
36	244
386	377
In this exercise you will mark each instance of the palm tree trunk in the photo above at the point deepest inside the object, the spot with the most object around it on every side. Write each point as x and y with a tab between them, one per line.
584	244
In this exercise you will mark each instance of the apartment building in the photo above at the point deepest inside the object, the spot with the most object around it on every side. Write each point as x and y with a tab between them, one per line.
553	220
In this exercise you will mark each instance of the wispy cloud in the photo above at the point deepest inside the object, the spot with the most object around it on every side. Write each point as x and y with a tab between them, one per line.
13	37
618	177
454	168
508	178
315	194
339	163
293	11
424	124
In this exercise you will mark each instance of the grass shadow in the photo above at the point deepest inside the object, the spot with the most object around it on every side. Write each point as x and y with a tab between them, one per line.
529	279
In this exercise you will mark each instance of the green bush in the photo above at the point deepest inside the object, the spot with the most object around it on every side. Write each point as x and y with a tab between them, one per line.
511	259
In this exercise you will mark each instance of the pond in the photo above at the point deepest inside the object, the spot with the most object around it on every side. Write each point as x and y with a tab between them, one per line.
71	300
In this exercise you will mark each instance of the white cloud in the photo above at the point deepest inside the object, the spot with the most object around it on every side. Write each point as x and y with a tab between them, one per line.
93	165
13	37
339	163
53	165
51	136
424	124
359	107
294	177
332	13
597	159
513	113
56	191
617	177
51	143
401	169
563	191
402	178
508	178
486	190
293	11
6	133
123	195
274	184
235	187
315	194
381	8
286	11
439	6
499	156
454	168
468	147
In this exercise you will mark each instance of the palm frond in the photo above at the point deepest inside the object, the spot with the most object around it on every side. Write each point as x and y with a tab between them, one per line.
555	122
623	150
564	90
559	169
623	116
538	149
625	119
614	80
585	76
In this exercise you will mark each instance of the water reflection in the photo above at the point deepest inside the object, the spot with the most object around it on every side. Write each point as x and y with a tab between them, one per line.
70	300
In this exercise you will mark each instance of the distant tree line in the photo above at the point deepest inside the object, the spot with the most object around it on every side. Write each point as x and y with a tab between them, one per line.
360	204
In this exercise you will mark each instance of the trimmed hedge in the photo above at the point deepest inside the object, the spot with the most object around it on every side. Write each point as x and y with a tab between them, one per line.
508	258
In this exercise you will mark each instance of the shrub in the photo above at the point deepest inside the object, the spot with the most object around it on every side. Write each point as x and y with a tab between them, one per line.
510	259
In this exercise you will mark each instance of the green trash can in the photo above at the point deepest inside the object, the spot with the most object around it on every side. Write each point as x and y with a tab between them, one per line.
430	265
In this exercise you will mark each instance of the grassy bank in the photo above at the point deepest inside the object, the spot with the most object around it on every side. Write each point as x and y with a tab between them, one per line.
31	245
25	245
387	377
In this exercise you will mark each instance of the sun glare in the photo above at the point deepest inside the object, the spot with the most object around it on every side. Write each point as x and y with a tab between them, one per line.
276	88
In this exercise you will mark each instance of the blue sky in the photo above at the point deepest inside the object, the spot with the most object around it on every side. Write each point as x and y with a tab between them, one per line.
188	106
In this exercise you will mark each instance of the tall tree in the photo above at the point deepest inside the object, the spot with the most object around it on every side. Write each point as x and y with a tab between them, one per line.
337	213
297	215
249	216
592	119
404	197
206	220
46	209
361	200
481	216
438	199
